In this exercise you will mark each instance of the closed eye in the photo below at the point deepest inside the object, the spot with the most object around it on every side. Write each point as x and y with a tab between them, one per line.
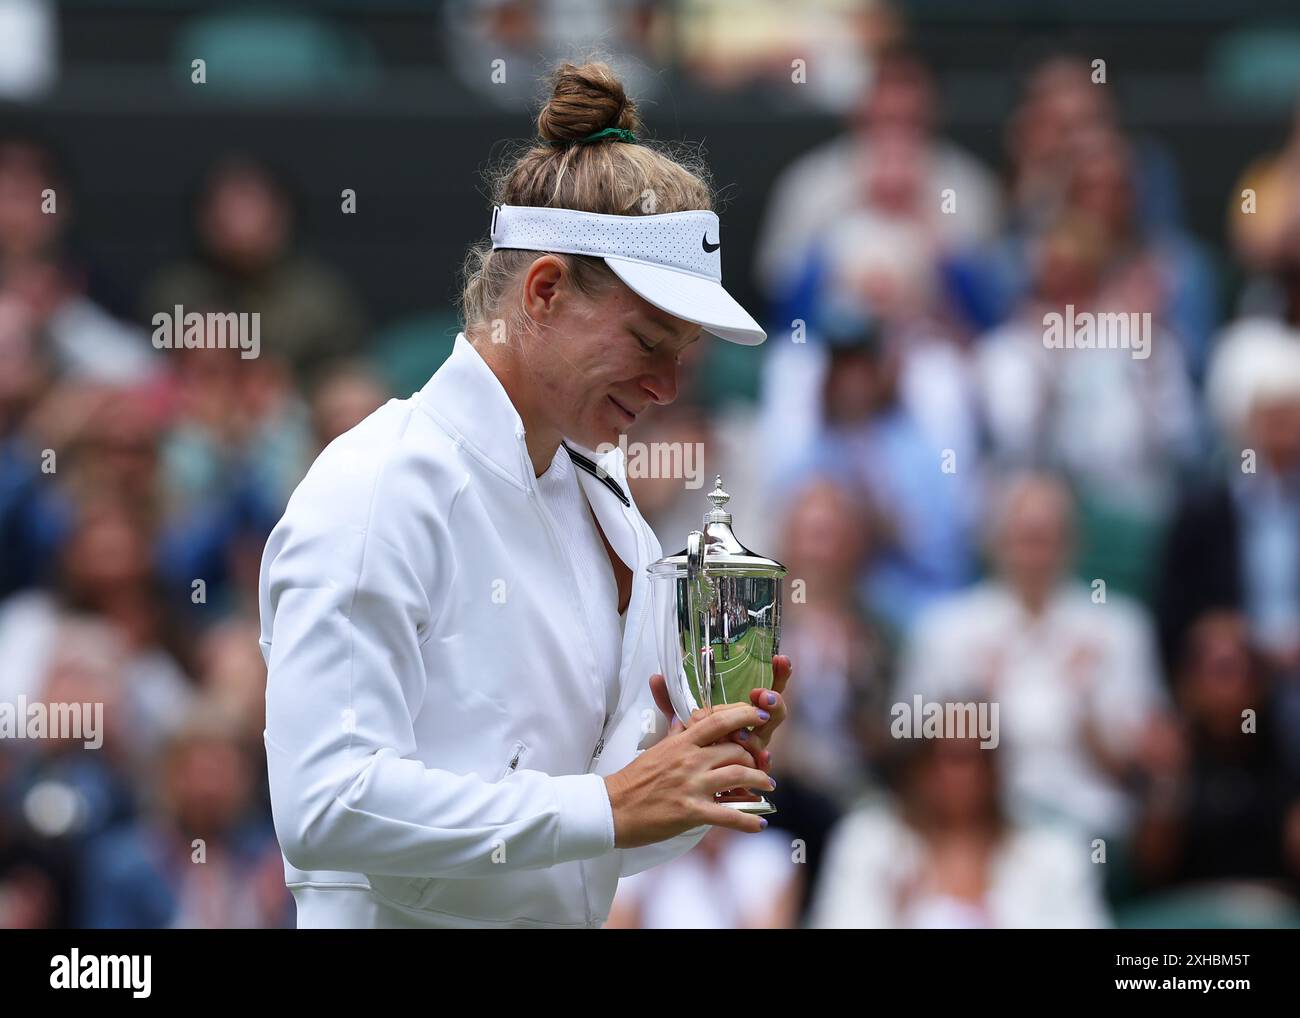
644	345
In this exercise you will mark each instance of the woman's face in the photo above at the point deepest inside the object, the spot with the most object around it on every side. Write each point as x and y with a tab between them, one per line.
826	536
595	363
957	781
1033	549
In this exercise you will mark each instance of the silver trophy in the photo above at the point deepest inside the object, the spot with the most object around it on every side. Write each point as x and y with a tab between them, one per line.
717	610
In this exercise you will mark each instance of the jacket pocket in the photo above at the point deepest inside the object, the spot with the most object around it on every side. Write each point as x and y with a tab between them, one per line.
517	752
423	892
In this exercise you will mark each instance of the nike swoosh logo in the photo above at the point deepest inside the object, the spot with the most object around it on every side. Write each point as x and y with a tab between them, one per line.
707	246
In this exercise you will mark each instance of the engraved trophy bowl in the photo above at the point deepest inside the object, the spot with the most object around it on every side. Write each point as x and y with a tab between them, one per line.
717	608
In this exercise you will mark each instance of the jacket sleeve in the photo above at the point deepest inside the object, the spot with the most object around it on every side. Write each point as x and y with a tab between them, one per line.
648	856
345	615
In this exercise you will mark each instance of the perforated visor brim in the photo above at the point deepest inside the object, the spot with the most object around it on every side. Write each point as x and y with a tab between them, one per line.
690	297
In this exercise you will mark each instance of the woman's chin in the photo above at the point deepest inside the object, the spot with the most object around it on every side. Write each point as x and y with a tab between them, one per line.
605	437
603	432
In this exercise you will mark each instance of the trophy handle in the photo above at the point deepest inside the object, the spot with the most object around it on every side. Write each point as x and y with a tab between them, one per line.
694	576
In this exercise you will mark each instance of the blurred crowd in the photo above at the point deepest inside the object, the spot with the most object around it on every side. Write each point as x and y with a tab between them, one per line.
137	487
1104	543
1106	547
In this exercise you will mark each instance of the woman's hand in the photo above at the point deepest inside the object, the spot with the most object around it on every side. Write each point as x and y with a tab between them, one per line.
670	787
770	701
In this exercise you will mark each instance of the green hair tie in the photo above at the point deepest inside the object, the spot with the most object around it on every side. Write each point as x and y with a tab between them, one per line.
621	133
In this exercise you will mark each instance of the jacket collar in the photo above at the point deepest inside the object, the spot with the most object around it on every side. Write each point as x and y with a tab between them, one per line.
467	398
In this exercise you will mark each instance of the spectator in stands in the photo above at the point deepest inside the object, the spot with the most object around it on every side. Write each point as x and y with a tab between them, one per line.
1264	224
232	677
1235	542
878	269
528	36
346	393
1073	669
1224	806
246	259
944	853
107	573
1123	426
75	780
238	440
197	858
1061	106
238	424
713	886
874	440
890	158
59	290
1266	231
1161	270
836	742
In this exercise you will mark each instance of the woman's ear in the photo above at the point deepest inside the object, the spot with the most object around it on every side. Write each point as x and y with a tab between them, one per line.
544	287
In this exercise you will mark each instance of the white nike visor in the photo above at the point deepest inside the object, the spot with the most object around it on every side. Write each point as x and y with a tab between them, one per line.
673	260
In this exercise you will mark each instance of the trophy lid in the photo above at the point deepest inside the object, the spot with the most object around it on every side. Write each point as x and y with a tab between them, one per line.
723	552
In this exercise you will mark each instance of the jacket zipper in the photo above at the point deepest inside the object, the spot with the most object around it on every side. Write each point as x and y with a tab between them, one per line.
639	624
555	543
516	753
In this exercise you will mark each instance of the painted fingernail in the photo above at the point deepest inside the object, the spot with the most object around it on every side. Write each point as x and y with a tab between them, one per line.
762	822
744	735
771	783
763	715
771	699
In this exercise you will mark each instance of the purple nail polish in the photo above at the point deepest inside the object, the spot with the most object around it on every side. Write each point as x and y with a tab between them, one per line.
763	821
771	699
744	735
763	715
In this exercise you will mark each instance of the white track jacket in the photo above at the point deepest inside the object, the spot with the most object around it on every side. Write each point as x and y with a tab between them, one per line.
435	721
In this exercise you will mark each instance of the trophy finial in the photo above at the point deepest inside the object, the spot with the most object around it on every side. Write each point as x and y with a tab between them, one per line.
719	498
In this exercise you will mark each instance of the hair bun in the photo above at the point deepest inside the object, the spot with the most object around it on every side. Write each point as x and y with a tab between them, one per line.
585	99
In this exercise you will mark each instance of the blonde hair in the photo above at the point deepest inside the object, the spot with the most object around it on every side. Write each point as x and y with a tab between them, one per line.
558	171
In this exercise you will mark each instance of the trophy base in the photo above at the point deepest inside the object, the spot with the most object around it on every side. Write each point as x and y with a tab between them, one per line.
759	808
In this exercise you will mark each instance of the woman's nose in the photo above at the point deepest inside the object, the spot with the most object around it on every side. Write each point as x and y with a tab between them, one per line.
662	383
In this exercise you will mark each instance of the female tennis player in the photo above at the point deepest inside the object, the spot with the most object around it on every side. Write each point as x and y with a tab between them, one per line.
462	726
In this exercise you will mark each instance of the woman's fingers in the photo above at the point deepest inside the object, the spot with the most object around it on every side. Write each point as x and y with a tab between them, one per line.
735	819
772	702
731	776
773	705
659	689
725	752
781	670
717	725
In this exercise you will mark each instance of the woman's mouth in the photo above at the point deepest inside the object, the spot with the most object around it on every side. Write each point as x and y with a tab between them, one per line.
623	410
